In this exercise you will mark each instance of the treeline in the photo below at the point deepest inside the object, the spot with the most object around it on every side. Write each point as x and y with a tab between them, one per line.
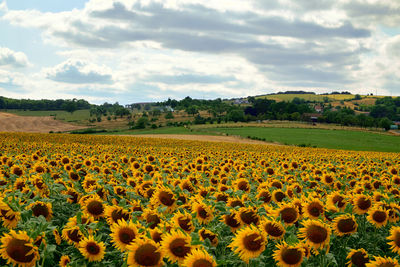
347	117
44	104
266	109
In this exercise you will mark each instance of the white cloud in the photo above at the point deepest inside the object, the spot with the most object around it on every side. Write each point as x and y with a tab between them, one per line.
11	58
79	72
145	48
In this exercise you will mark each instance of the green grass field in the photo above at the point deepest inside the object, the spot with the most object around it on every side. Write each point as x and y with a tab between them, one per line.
337	139
77	116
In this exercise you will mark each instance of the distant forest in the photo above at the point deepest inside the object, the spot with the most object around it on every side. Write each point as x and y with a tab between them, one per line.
44	104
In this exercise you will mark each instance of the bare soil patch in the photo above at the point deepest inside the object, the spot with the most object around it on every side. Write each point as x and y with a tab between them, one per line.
33	124
209	138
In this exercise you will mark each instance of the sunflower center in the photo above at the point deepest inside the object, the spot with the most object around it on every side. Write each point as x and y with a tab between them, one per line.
156	236
379	216
93	248
273	230
202	213
40	209
317	234
74	235
185	223
265	197
397	239
147	255
359	259
202	263
291	256
18	250
126	235
279	196
231	221
253	242
95	207
289	215
243	186
206	235
249	217
338	200
178	248
118	215
364	203
315	209
166	198
346	225
153	220
236	203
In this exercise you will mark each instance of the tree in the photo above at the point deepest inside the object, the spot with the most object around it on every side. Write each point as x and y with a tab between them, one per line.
357	97
169	115
70	106
385	123
141	123
192	110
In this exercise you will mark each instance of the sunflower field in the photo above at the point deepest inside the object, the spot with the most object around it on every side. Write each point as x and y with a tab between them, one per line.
76	200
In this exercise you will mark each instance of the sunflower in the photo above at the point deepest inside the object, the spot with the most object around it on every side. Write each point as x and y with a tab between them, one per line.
394	211
362	203
17	249
92	249
394	239
156	234
378	217
204	213
184	221
116	213
9	217
242	184
94	206
41	208
288	256
248	216
57	236
144	252
273	229
207	234
357	257
335	202
176	246
64	260
248	243
314	208
288	213
164	197
123	234
73	195
199	257
152	218
383	262
265	196
17	170
315	233
278	195
72	235
231	220
345	225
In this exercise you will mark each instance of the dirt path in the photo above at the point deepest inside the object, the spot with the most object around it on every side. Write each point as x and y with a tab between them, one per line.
210	138
33	124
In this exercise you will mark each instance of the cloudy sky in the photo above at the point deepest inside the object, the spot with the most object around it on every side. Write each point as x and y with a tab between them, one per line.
146	50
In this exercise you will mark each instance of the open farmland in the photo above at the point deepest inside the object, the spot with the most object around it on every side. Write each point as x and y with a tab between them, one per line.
327	138
125	201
